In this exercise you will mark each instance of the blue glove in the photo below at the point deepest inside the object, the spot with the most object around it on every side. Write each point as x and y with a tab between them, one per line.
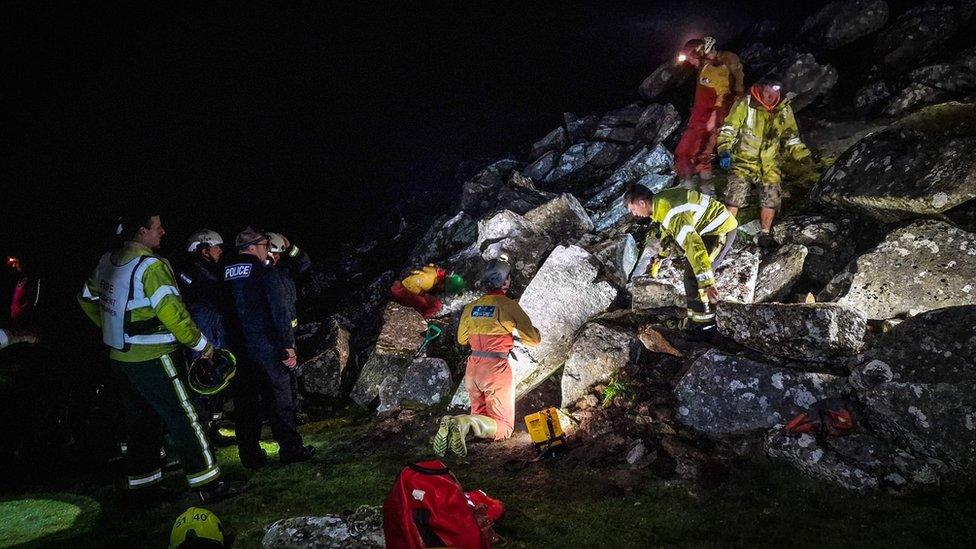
725	160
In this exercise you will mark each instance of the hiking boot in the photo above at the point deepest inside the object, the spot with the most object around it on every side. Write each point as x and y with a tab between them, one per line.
305	453
439	442
254	460
218	491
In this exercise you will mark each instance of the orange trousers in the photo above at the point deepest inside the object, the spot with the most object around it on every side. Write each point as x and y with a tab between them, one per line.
491	388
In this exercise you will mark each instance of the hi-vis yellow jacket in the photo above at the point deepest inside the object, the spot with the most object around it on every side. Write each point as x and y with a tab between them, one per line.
686	216
488	322
755	138
421	280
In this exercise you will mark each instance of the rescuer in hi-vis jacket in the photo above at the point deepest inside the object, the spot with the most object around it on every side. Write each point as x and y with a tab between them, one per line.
133	297
756	133
698	224
488	324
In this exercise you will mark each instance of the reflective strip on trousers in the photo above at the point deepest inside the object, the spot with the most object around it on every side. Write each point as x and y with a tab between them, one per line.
145	480
204	477
488	354
188	410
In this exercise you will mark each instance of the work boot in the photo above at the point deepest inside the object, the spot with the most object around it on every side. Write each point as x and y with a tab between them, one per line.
220	490
439	442
479	426
305	453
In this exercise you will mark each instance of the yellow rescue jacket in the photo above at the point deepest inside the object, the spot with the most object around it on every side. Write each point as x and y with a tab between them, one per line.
488	322
755	137
421	280
686	216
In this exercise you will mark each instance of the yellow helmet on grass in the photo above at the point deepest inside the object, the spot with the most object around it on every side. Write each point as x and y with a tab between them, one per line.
196	527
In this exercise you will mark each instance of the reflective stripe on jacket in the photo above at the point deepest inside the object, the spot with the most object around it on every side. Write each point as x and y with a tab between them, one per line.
755	137
686	216
487	325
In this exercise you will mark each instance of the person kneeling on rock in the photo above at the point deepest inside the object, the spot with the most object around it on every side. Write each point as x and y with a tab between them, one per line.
702	227
487	324
414	290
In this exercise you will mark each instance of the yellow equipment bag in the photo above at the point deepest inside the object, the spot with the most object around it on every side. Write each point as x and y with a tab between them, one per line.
544	428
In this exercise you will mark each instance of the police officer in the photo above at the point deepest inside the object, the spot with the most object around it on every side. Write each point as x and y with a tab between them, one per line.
132	296
262	334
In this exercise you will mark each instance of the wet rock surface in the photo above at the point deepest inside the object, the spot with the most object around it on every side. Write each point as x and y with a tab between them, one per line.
360	530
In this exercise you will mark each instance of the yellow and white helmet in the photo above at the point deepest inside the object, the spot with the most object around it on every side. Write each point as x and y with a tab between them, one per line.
204	238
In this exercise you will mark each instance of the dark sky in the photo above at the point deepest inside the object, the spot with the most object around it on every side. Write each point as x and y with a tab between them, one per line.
315	120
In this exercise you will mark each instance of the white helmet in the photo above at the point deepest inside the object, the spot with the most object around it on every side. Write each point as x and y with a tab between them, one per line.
276	243
203	238
708	46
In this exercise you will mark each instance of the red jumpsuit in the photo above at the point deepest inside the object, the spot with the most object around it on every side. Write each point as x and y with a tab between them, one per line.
719	83
487	325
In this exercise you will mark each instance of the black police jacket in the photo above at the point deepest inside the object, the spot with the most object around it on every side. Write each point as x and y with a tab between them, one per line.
201	284
261	324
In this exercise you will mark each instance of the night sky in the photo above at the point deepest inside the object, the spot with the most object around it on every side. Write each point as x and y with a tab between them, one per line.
318	121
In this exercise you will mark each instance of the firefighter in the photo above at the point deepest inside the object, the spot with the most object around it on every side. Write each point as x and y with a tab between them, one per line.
264	340
719	83
700	226
132	296
487	324
752	144
292	263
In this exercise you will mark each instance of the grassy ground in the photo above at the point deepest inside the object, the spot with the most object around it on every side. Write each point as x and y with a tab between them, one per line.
549	505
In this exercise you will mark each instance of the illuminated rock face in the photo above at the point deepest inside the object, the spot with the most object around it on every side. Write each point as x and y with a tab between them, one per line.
328	345
779	271
828	241
597	353
817	332
723	395
924	266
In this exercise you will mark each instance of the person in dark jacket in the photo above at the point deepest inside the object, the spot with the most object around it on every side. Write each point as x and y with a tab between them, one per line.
292	263
200	282
263	338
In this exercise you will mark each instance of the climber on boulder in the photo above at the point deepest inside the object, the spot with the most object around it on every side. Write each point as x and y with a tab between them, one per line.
702	227
719	83
751	144
487	324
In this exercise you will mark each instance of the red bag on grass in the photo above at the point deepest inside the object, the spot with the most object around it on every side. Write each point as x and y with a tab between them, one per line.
427	508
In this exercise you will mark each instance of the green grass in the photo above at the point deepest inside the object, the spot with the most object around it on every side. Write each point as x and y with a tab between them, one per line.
554	504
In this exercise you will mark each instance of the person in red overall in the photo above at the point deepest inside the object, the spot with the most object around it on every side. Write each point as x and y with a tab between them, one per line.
415	290
487	324
720	82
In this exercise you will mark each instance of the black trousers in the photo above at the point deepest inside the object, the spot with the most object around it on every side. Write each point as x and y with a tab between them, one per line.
265	389
701	311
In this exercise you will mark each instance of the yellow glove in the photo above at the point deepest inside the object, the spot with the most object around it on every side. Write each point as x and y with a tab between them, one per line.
655	267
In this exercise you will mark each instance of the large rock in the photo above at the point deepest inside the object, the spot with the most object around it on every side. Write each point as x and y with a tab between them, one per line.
445	237
424	382
916	34
760	58
918	387
402	332
666	77
618	255
815	332
914	95
520	195
579	129
829	243
584	164
477	194
955	77
561	219
511	233
805	80
858	462
557	140
657	123
361	530
651	293
323	373
646	163
735	279
924	266
840	23
564	294
779	271
920	166
872	94
598	353
616	212
540	168
722	395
